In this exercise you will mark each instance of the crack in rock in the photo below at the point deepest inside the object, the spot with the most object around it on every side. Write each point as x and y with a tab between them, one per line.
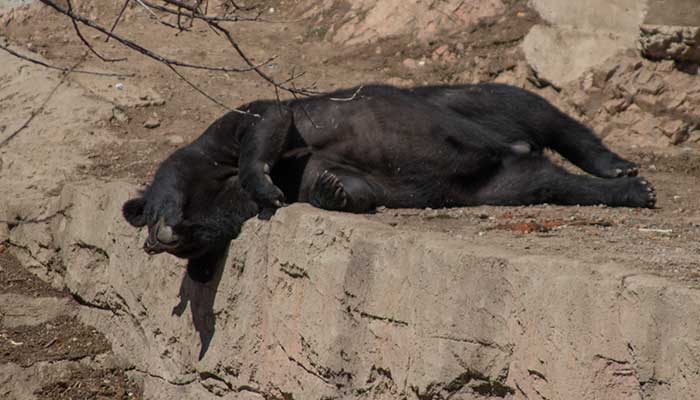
304	367
479	342
293	270
82	245
472	380
184	382
390	320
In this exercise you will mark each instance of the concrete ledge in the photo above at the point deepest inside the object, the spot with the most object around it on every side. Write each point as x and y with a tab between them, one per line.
314	304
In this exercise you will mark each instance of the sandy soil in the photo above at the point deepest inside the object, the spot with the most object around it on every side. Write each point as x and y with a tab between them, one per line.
662	241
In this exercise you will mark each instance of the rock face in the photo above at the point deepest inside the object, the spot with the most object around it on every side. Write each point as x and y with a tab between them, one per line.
635	102
582	35
315	304
679	43
671	31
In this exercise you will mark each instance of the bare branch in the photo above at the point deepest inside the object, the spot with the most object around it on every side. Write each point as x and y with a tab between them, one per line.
205	94
43	64
192	15
184	11
141	49
351	98
291	89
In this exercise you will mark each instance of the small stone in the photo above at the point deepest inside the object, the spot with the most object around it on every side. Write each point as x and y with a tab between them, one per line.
644	76
587	83
673	127
4	234
119	115
119	86
616	105
176	140
665	66
410	63
694	136
440	51
151	123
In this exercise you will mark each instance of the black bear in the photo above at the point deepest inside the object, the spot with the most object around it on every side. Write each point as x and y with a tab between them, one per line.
360	148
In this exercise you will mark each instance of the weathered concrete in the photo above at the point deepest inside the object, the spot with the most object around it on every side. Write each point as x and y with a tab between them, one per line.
562	54
580	35
316	304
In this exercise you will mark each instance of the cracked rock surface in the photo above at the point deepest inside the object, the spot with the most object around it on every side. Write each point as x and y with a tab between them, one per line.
404	304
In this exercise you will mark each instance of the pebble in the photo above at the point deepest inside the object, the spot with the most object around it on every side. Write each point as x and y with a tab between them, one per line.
410	63
176	140
120	115
151	123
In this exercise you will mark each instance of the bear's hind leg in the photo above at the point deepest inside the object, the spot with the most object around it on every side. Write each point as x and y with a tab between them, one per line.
582	147
535	180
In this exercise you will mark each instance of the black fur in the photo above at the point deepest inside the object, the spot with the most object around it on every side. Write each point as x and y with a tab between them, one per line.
356	149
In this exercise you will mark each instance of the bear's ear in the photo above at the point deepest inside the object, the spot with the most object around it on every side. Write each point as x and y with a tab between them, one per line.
133	212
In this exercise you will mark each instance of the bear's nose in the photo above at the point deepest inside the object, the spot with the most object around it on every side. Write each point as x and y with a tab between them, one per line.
160	238
165	234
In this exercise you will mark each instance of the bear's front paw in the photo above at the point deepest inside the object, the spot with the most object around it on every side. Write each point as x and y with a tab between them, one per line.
263	190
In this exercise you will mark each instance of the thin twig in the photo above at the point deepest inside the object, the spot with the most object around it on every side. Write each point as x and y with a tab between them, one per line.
351	98
43	64
86	43
303	108
195	15
39	109
205	94
264	76
154	15
119	17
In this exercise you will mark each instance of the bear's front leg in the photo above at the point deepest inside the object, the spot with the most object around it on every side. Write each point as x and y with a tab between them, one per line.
261	147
